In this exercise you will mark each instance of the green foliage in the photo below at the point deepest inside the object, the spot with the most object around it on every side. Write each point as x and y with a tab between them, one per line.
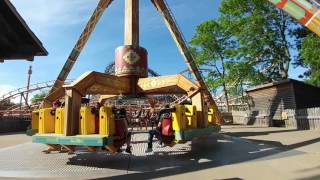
213	47
265	35
6	104
39	97
251	43
310	52
243	72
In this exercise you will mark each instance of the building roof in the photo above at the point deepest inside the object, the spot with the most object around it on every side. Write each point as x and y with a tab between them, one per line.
285	81
17	41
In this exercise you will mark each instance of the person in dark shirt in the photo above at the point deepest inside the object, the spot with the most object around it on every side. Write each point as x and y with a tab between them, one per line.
122	132
163	113
96	112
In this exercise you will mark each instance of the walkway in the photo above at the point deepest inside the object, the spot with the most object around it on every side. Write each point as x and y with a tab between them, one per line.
237	153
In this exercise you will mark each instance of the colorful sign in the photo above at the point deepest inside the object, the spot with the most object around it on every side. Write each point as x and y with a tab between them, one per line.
307	12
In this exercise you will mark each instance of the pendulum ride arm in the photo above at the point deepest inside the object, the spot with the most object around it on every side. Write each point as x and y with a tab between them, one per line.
103	4
164	10
307	12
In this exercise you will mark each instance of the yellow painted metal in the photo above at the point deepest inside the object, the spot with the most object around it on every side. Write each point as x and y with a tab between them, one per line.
191	115
211	114
87	121
46	121
107	124
35	120
59	118
314	24
179	118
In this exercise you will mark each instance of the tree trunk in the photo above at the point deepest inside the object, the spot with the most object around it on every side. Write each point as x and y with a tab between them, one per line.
226	96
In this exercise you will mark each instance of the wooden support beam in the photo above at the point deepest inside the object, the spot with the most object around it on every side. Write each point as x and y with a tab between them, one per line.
69	148
59	93
182	45
52	147
92	148
131	36
82	41
173	28
111	148
176	84
72	111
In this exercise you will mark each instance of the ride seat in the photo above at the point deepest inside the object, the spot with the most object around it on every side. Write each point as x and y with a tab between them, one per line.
121	133
167	131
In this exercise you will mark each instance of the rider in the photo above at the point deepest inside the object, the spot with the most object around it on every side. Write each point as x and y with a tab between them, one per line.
56	104
96	112
164	113
122	129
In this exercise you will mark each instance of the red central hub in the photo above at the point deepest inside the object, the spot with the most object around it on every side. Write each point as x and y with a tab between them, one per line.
131	62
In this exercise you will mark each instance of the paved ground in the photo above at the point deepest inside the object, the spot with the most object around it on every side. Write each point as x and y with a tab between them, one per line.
11	139
237	153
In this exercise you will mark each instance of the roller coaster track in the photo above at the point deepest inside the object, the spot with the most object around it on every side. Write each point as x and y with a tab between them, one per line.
34	87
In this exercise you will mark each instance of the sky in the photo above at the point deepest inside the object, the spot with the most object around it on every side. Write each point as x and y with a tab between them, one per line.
58	25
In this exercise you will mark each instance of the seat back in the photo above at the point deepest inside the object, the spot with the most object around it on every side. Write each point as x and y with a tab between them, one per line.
107	121
46	121
167	127
121	128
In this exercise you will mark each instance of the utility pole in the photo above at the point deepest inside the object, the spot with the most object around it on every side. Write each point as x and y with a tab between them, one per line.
28	84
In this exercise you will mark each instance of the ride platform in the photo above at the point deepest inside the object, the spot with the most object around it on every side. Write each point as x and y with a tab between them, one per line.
190	134
96	140
78	140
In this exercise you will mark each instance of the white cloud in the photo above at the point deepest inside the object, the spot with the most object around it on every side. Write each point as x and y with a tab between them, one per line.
42	15
4	89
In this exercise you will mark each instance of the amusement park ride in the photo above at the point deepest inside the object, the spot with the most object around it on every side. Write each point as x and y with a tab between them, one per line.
72	125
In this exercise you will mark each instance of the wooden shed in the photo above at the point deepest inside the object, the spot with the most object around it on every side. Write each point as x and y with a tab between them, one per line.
17	41
271	100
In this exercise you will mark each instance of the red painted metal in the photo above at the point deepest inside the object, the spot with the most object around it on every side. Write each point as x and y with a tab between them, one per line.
131	62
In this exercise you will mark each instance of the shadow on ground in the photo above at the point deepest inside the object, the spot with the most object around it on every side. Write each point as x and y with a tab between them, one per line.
218	150
260	133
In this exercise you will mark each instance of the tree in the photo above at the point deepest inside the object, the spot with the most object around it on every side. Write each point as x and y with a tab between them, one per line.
265	35
310	53
4	105
213	46
39	97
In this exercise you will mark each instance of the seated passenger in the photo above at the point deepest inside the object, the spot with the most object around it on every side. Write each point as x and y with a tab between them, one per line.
122	133
56	104
164	127
153	118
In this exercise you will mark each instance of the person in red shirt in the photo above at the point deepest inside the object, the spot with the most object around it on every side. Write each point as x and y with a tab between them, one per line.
56	104
164	127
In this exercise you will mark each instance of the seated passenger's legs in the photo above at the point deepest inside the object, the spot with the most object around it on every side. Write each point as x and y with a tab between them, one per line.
128	142
154	133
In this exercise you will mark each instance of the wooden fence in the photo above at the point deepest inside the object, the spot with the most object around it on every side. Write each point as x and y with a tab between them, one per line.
303	119
256	118
14	124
